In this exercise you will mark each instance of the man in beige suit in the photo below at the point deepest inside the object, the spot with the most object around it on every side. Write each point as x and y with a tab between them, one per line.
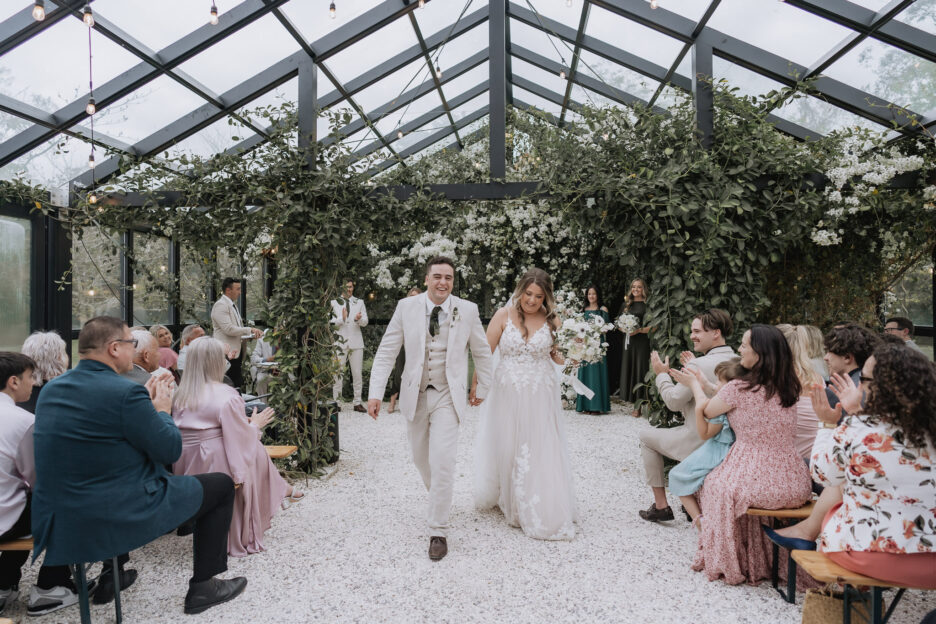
229	327
708	332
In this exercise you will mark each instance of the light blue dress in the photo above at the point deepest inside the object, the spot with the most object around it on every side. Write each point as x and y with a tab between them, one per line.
686	478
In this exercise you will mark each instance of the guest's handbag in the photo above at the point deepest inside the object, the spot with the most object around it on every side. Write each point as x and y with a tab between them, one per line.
825	605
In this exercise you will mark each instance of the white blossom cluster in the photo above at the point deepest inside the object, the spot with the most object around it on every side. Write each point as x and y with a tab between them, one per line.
893	245
825	238
929	198
887	302
429	245
568	303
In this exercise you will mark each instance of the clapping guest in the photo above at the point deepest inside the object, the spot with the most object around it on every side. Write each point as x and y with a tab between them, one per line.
349	315
902	327
217	436
636	358
807	423
167	357
396	376
48	351
847	348
595	376
190	333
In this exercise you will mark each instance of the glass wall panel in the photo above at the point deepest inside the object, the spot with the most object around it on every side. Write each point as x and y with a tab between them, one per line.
15	275
95	276
632	37
151	279
52	164
256	303
194	277
914	295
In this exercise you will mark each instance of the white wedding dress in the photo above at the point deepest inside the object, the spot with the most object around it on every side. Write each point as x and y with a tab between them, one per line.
521	456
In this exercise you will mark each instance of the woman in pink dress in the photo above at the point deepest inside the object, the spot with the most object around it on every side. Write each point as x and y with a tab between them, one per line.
762	469
218	437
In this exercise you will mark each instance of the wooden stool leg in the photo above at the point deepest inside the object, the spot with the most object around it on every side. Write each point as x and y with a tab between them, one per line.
83	602
117	590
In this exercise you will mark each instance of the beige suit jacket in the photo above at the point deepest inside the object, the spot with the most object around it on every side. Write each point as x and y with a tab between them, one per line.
228	327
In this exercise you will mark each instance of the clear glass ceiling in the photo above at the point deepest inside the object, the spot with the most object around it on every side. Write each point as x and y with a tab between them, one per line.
631	37
921	14
386	42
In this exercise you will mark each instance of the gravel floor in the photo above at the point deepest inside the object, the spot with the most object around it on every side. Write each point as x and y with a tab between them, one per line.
355	551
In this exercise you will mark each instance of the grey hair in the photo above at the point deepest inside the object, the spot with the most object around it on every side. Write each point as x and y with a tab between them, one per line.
145	340
47	349
187	332
204	365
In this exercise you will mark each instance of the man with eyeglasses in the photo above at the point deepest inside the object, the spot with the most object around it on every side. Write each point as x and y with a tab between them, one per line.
101	446
902	327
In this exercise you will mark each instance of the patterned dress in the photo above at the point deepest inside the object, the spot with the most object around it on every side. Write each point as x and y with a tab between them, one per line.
762	469
521	456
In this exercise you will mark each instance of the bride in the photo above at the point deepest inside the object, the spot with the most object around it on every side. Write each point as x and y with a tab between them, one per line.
521	461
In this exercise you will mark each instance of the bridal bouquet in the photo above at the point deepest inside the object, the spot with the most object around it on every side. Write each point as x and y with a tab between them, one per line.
582	339
627	323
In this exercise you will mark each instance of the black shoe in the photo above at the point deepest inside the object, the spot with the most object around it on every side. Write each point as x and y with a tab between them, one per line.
186	529
688	517
656	515
438	547
214	591
105	588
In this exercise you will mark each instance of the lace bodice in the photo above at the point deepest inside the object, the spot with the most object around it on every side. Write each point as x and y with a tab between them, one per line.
526	363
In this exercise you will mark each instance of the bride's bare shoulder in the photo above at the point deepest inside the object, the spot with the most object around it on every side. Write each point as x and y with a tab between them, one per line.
501	315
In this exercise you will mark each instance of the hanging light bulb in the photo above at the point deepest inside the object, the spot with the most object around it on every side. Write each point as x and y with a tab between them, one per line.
605	136
399	134
91	108
90	292
87	17
654	4
568	3
38	12
421	3
213	15
92	199
331	10
562	74
91	160
438	72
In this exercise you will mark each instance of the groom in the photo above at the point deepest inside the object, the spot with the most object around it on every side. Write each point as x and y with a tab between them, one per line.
436	329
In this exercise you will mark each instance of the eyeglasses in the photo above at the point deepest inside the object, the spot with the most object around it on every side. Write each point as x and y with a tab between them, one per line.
892	329
864	379
132	341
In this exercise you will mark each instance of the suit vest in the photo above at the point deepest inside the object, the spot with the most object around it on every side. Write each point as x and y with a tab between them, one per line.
434	362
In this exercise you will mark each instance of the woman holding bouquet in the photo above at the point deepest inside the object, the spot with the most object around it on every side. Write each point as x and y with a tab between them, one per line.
521	458
636	359
595	376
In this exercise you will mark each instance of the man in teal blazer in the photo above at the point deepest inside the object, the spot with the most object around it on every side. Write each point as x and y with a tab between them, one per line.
101	446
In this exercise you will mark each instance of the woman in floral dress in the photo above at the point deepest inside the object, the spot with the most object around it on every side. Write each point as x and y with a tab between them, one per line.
762	469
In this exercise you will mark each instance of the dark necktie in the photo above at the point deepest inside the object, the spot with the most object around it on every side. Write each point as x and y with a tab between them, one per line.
347	306
434	321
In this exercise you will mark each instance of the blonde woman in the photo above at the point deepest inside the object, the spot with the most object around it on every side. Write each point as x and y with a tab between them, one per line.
47	350
168	358
816	349
217	437
522	461
636	359
807	423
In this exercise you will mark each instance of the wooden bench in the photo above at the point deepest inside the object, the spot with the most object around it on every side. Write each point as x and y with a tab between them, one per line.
824	570
798	513
23	543
280	452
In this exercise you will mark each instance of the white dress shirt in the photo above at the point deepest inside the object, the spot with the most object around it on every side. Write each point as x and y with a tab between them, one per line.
16	467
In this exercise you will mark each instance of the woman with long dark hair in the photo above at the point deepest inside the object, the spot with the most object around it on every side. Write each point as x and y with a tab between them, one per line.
636	359
595	376
762	469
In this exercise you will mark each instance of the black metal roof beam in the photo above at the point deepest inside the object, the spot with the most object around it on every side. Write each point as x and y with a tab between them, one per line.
22	27
700	25
432	73
139	75
573	66
434	138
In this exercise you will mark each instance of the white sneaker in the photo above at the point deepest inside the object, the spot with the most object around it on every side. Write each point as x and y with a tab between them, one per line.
42	601
7	596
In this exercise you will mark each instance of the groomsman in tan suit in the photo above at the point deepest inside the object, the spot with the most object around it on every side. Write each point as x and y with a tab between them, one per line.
229	328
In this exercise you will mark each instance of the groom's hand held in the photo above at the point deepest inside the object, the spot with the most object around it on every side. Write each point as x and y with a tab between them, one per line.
373	408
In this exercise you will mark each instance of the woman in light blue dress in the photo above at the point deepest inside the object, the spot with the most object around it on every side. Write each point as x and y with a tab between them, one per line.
686	478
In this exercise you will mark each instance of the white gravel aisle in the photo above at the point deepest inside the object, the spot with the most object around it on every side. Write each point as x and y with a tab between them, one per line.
355	551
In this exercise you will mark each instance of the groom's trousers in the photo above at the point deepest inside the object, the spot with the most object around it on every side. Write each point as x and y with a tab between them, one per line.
433	435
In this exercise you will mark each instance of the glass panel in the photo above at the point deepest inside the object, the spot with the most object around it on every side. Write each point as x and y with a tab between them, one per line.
240	55
193	278
438	15
693	9
95	276
915	295
148	109
358	58
393	86
15	274
214	139
387	125
359	139
470	106
670	96
874	5
888	72
630	36
52	164
587	96
548	80
288	92
821	116
157	24
311	18
51	69
921	14
256	304
468	80
748	82
460	48
534	100
151	279
540	42
616	75
778	27
558	10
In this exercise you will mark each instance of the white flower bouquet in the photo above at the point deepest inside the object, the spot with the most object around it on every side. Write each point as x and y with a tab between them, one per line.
581	339
627	323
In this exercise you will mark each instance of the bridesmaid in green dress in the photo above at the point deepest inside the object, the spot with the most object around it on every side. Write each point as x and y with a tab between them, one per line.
636	360
595	376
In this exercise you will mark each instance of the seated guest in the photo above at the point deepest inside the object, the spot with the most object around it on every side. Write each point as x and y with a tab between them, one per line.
190	333
807	423
47	350
847	348
902	327
146	359
54	589
167	357
264	351
218	437
101	442
884	525
817	351
762	469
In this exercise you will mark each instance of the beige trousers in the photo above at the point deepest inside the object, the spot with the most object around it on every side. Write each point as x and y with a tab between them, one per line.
357	362
676	443
433	436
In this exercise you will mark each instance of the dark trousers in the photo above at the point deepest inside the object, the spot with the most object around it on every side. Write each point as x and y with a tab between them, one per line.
211	524
236	372
11	561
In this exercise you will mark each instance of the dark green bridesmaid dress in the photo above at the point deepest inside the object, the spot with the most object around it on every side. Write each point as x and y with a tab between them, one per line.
636	360
595	376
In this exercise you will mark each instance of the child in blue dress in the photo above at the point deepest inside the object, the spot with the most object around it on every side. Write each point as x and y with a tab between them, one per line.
686	478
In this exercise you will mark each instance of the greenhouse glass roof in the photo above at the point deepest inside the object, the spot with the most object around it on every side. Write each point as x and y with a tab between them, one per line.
418	75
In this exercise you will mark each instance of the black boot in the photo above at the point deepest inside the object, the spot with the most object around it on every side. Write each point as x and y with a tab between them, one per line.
105	589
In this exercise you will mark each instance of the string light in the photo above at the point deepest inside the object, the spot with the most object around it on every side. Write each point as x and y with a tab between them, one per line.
213	14
331	10
92	199
438	72
91	159
91	108
654	4
399	134
87	17
38	12
421	3
605	136
568	3
90	292
562	74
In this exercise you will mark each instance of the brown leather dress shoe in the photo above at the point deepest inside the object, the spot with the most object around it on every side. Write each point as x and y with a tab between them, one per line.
438	547
656	515
360	408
